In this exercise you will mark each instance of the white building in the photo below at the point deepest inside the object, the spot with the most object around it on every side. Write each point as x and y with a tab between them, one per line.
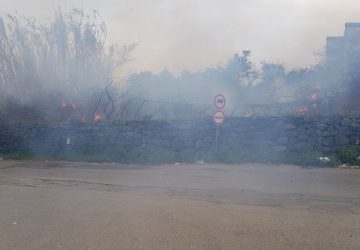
343	47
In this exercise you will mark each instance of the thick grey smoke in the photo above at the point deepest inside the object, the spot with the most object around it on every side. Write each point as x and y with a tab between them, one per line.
270	90
67	62
64	62
63	69
193	35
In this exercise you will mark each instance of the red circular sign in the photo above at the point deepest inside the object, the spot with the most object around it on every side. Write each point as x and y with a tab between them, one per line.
220	101
218	117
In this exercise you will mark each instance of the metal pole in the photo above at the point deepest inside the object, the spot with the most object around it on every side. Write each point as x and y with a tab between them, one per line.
68	151
217	137
68	142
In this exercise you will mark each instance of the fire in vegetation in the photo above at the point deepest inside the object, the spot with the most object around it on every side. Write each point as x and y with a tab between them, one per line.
314	97
65	104
60	69
302	110
66	70
98	117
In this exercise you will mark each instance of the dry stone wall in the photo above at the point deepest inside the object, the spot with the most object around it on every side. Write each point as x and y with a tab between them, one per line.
165	141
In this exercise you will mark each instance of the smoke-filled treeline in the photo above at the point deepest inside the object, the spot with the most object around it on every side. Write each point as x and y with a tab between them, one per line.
57	70
331	87
63	70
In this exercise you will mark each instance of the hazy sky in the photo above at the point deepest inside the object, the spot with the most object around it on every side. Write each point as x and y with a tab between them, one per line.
194	34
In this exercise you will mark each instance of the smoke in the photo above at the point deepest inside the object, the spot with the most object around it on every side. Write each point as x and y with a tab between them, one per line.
65	68
192	35
269	90
64	61
68	63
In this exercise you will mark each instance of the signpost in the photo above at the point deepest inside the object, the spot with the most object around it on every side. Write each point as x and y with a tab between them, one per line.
68	142
218	116
219	101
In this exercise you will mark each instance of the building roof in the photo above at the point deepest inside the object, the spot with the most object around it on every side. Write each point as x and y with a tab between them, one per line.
334	38
352	25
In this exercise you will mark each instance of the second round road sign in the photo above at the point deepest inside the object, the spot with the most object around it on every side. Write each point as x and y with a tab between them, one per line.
218	117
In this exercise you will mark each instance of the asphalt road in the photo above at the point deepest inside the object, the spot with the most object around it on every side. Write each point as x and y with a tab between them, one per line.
59	205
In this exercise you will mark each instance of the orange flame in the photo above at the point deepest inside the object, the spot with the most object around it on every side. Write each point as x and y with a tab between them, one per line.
302	110
63	103
314	96
97	117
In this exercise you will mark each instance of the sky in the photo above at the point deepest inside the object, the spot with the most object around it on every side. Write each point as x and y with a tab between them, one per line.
191	35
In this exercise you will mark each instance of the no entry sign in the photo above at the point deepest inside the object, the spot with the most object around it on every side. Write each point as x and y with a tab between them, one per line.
219	101
218	117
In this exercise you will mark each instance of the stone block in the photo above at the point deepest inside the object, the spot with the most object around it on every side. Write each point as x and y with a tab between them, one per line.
327	141
341	140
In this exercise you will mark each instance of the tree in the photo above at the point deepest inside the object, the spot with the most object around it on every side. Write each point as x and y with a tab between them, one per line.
240	71
42	64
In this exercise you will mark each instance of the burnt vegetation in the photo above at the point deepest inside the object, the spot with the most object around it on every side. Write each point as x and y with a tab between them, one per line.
62	75
59	70
65	70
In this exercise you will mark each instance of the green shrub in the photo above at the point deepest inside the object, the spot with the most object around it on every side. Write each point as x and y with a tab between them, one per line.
349	154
